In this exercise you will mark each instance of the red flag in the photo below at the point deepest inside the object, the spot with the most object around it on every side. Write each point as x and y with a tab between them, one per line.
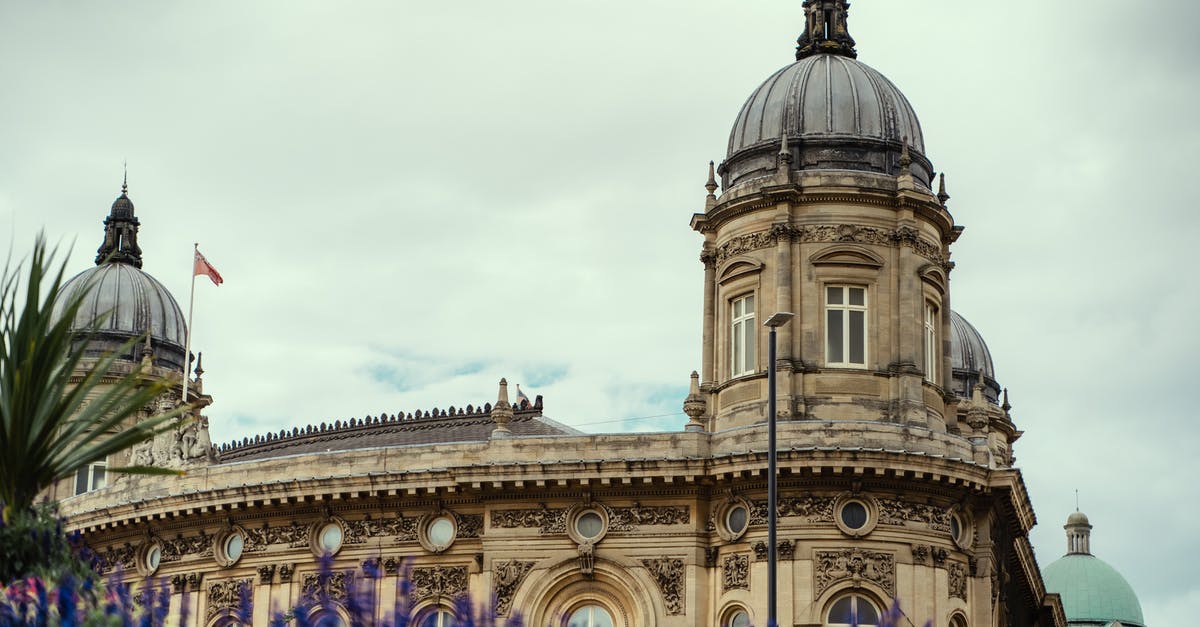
202	266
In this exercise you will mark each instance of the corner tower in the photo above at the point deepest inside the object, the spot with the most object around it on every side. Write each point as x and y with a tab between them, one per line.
828	210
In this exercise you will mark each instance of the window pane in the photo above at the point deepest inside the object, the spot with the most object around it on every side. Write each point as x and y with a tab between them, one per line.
737	309
99	476
858	337
81	481
589	525
833	295
842	611
739	619
738	363
858	296
751	357
866	612
749	304
834	331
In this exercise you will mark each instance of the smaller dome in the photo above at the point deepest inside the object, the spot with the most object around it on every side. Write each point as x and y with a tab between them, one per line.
122	207
970	360
134	303
1078	518
1092	591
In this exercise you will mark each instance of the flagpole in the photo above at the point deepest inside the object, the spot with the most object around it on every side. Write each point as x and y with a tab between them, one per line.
187	343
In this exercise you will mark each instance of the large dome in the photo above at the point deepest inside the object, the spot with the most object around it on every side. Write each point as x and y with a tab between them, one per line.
970	360
1092	591
132	302
837	112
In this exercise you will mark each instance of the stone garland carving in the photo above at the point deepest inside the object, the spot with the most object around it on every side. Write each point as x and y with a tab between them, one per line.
892	512
958	580
295	535
855	564
710	556
627	518
285	573
333	586
372	567
112	557
547	520
939	555
266	574
450	581
469	525
904	236
391	566
182	582
786	550
225	595
735	572
174	550
404	529
667	573
813	509
507	577
920	554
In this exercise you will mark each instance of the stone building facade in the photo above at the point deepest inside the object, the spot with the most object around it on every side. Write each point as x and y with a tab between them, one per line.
895	461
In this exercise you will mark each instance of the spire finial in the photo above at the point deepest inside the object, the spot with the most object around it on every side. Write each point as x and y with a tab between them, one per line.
905	158
502	412
1076	499
125	178
825	30
942	195
785	153
711	185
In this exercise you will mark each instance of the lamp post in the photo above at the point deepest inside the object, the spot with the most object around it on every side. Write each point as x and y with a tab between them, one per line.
774	322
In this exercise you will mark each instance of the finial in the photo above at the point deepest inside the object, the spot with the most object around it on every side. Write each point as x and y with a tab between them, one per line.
1005	406
825	30
147	352
785	154
694	405
905	158
199	367
1076	499
502	412
125	178
942	195
711	185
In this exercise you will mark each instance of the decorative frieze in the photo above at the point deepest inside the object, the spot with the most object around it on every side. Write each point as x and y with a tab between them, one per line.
856	565
667	573
627	518
449	581
331	586
849	233
116	556
893	512
469	525
735	572
293	534
546	520
225	595
200	545
506	578
958	580
813	509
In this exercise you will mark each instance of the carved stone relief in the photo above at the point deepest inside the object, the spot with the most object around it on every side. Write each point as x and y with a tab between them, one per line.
855	564
813	509
450	581
115	556
266	574
735	572
760	551
285	573
920	554
185	581
546	520
507	577
225	595
667	573
469	525
786	550
958	580
186	444
893	512
710	556
294	534
332	586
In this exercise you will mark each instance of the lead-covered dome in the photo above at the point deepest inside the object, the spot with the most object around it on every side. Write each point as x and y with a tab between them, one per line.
1093	592
970	360
128	301
837	112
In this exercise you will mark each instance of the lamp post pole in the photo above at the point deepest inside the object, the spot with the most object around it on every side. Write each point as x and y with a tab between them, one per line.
774	322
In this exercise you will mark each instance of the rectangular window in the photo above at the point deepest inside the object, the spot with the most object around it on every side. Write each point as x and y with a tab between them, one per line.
846	325
742	337
933	351
91	477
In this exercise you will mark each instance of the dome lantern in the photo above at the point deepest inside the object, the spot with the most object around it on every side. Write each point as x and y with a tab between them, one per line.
825	30
120	232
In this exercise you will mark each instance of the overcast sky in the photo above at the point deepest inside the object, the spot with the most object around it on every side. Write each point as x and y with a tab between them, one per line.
410	200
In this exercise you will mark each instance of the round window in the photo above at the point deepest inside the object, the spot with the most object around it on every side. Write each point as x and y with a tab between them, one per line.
589	525
441	532
955	528
590	616
854	515
330	538
737	518
235	544
153	557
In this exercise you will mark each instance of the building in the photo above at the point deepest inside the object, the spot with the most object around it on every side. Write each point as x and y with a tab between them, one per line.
896	475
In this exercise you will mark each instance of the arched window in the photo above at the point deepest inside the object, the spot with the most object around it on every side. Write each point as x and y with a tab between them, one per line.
590	616
327	618
852	610
958	620
439	618
736	617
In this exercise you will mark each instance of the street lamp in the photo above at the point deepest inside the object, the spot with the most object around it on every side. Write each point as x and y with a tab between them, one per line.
774	322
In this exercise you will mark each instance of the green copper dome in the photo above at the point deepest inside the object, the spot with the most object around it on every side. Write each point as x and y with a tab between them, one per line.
1092	591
